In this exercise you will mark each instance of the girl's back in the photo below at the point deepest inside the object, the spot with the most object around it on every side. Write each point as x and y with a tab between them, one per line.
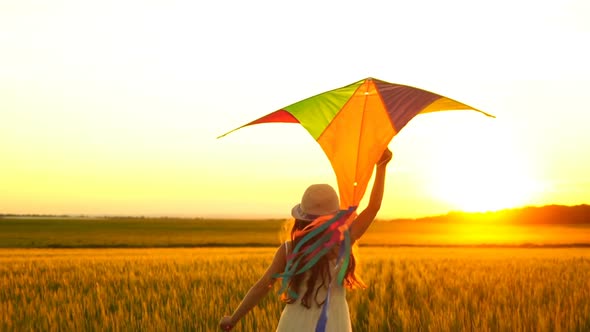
297	317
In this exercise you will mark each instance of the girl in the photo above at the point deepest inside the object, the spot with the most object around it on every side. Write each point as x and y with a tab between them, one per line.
309	290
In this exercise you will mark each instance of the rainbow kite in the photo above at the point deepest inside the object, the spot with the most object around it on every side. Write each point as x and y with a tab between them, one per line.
353	125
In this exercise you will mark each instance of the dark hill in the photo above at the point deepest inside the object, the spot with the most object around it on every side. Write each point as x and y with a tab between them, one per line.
549	214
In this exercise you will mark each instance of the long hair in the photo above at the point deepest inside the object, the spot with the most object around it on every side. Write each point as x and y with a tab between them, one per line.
319	275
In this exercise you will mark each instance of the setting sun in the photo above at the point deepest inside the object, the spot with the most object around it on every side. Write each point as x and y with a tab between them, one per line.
484	174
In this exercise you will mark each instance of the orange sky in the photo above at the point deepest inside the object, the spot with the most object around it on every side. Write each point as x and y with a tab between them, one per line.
110	108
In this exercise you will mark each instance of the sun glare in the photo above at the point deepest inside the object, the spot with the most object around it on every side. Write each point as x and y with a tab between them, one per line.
486	173
467	190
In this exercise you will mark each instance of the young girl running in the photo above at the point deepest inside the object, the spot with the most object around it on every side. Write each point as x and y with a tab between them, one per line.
308	291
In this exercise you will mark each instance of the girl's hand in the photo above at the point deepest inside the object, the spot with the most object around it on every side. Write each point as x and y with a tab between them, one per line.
385	157
226	323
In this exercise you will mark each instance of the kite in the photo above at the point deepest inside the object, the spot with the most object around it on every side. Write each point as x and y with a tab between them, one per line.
353	125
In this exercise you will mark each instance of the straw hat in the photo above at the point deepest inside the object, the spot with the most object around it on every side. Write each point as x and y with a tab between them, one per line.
318	200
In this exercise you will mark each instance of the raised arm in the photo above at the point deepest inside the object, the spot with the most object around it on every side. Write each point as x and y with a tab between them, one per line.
258	291
360	225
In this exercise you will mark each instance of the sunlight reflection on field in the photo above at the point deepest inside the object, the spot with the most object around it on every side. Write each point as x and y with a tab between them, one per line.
418	233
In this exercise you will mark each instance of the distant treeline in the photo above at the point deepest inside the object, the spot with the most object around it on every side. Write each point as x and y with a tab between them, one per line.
84	216
548	214
39	215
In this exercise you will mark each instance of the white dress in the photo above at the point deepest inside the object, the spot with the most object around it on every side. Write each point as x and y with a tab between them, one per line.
297	318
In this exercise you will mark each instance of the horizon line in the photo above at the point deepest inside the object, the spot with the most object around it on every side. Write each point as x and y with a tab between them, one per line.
221	217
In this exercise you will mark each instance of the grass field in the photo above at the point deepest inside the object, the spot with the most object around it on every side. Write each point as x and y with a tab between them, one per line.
134	274
410	289
163	232
135	232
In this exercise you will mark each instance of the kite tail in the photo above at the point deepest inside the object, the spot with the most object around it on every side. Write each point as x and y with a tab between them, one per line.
332	231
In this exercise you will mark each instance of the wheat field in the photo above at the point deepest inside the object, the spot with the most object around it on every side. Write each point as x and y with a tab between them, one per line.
409	289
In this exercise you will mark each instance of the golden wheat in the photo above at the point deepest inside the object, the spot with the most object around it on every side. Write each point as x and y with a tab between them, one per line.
190	289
